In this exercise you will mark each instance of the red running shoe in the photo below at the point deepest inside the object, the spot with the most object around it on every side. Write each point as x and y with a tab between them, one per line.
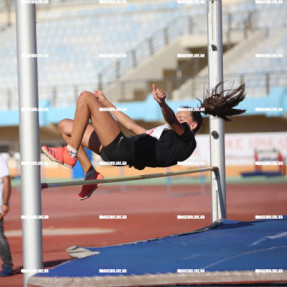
60	155
87	190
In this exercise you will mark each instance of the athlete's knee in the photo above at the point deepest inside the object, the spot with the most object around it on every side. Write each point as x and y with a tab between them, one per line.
85	94
64	126
86	98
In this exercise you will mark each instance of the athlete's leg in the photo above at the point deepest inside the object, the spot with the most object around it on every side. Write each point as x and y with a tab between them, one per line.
89	140
88	107
103	125
79	133
104	129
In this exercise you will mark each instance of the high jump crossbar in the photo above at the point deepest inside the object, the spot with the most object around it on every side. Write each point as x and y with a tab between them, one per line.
127	178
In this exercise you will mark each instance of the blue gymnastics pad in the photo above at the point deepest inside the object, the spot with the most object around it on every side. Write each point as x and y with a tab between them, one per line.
226	252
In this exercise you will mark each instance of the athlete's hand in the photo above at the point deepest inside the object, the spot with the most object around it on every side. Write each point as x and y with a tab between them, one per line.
100	97
158	94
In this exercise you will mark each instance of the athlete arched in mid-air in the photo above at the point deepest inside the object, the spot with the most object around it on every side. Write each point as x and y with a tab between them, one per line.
160	147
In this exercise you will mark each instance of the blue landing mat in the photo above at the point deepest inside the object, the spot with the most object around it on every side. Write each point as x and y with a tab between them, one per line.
224	252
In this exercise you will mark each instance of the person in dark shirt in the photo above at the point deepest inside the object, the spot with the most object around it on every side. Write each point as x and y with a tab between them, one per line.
162	146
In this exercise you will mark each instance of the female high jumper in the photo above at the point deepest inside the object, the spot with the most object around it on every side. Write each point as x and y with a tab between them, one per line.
160	147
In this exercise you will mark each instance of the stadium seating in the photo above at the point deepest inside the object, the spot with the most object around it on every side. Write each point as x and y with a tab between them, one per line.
74	40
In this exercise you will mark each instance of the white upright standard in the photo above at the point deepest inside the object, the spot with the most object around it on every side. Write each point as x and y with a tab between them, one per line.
29	139
216	130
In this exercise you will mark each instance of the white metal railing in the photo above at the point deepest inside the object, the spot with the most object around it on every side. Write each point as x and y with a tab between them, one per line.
258	84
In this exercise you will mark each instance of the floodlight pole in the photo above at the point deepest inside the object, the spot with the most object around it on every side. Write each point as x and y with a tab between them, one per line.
29	139
216	126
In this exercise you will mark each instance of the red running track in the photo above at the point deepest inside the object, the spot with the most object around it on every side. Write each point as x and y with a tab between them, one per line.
150	213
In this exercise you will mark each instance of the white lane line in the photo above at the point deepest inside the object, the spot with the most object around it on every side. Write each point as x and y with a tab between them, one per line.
63	231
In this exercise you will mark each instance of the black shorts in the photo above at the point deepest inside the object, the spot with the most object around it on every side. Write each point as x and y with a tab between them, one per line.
118	152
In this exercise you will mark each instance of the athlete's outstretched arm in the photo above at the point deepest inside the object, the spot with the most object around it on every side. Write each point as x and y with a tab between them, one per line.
168	114
122	118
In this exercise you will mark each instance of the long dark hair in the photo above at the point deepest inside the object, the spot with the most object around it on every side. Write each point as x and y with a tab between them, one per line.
217	104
